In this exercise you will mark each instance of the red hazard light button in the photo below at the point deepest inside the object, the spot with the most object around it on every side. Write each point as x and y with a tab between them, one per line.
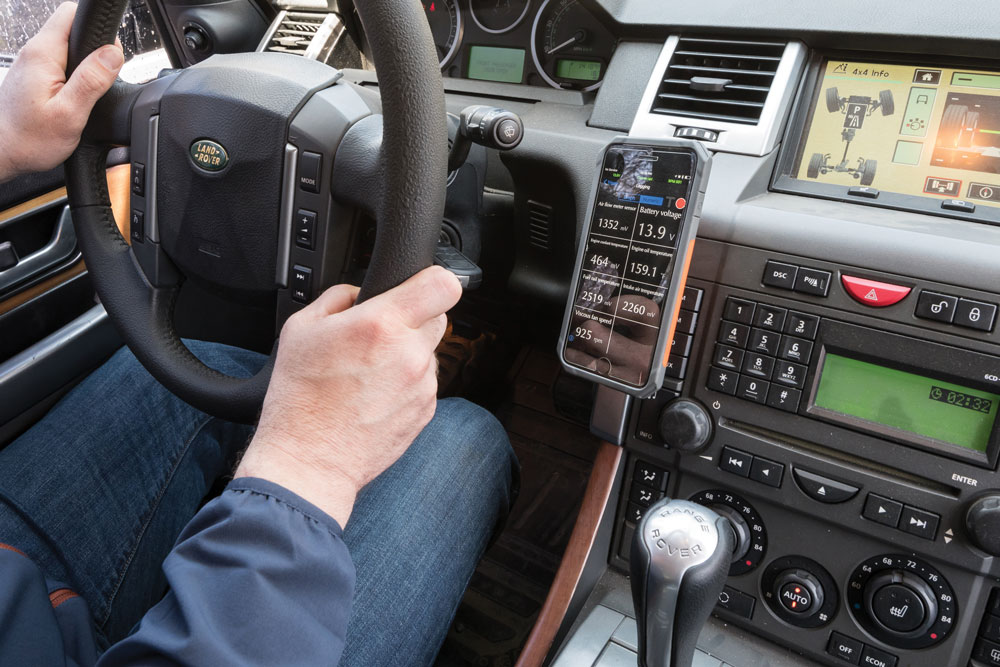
872	292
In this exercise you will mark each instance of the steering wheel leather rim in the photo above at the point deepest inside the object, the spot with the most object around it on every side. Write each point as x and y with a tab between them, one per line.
412	167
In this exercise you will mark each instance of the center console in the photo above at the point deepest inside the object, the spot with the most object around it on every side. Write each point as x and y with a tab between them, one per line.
832	389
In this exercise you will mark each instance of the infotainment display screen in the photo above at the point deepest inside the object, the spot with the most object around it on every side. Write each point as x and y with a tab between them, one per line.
923	131
907	402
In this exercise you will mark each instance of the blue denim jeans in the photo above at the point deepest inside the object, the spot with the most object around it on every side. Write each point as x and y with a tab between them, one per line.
97	492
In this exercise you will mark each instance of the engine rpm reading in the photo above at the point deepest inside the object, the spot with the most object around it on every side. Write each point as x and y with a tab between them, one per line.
445	21
497	16
570	46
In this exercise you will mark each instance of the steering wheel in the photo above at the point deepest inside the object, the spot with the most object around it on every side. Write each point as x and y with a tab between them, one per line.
222	146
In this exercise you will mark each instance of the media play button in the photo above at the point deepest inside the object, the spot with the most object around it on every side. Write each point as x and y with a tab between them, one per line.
882	510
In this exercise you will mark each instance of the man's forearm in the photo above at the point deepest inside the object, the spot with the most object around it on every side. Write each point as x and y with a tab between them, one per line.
258	575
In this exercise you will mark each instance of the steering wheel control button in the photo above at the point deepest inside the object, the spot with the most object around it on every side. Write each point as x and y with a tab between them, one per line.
310	169
918	522
874	293
305	229
780	275
138	179
937	307
882	510
739	310
767	472
874	657
845	648
823	489
975	314
736	602
812	281
301	283
137	226
735	461
899	608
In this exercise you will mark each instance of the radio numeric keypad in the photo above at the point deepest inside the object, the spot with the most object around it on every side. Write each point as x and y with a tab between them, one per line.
762	353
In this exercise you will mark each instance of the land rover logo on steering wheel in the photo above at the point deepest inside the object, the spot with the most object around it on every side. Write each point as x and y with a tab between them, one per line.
209	155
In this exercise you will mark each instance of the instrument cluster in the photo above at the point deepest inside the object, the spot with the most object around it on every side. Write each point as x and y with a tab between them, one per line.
565	44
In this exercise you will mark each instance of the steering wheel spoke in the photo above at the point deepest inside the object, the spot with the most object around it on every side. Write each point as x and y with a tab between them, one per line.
219	155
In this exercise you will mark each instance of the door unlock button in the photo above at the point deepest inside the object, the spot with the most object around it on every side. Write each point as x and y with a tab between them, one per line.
935	306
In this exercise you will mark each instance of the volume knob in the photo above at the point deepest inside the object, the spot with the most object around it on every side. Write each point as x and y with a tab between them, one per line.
983	522
685	425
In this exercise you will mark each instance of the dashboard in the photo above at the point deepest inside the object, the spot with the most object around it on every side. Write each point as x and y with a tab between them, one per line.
840	323
564	44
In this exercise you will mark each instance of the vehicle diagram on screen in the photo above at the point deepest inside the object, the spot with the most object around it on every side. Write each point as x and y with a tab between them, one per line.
969	134
856	108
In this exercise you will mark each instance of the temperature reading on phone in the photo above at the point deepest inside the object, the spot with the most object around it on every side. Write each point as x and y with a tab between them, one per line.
622	287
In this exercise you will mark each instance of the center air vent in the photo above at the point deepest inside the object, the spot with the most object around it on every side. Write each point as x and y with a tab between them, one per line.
295	32
718	79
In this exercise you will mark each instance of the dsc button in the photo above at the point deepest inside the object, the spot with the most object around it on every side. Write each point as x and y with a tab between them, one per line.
779	274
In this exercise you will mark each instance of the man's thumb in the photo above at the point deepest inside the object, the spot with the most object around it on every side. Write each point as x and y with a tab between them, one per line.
93	77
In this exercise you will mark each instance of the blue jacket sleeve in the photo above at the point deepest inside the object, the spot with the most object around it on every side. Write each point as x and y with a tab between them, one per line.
258	577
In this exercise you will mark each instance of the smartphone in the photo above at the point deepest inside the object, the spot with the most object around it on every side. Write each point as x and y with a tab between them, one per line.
632	264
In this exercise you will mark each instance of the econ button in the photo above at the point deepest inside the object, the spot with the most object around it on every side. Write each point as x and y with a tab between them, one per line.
874	293
209	155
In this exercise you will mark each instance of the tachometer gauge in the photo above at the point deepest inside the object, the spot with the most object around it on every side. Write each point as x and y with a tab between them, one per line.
570	46
445	20
497	16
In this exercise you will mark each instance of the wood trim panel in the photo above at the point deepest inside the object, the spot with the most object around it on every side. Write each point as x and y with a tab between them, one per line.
595	500
119	187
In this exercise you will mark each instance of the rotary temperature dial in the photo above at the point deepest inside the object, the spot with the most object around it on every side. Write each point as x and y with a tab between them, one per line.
902	601
748	529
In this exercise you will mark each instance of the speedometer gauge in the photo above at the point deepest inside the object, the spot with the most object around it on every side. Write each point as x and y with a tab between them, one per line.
445	20
570	46
497	16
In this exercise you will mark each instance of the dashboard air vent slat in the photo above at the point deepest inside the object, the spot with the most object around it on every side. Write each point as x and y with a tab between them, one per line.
718	79
295	33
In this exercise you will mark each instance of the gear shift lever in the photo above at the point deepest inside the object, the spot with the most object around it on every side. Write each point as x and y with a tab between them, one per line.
679	561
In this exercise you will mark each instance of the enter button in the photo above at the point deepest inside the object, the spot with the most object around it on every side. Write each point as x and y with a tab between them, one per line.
874	293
